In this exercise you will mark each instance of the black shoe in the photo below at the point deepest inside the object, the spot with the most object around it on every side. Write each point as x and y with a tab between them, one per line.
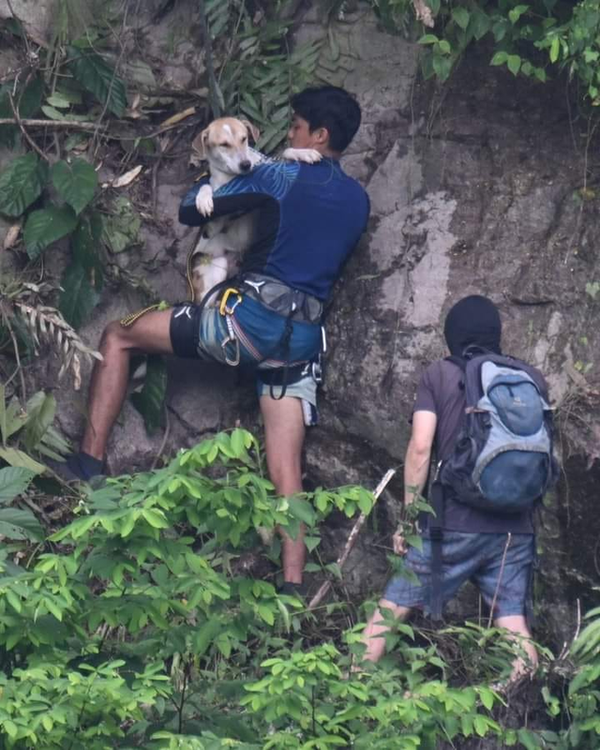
77	467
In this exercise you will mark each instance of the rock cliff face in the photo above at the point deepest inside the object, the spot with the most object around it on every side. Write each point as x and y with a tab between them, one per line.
486	185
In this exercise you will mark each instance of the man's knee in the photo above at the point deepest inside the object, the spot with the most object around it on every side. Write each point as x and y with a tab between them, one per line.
113	336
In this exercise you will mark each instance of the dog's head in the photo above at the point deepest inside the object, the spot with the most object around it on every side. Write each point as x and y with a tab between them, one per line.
224	144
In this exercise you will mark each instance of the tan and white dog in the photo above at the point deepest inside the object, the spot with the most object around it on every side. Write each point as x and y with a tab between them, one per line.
224	144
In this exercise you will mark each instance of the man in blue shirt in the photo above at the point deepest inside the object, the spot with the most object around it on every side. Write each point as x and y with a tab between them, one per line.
309	219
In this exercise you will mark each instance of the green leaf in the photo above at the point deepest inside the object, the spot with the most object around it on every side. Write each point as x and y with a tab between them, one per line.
150	401
78	298
52	113
99	78
15	457
428	39
85	244
45	226
442	66
515	13
461	16
17	523
56	100
554	49
499	58
514	64
40	409
156	518
13	481
30	99
21	183
301	509
75	182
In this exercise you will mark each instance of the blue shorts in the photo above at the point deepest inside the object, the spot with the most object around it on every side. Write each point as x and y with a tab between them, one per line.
258	334
470	556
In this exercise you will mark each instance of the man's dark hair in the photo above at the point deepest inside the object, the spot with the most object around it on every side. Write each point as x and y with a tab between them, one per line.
329	107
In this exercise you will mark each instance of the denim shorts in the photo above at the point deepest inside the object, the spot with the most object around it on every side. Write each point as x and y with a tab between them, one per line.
204	334
502	573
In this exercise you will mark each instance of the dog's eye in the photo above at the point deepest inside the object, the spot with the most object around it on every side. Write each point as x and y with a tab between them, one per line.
244	139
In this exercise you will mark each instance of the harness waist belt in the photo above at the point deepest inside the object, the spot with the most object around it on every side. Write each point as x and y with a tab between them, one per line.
281	298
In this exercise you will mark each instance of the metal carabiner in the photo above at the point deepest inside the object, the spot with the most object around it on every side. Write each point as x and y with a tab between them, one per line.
224	309
236	360
231	339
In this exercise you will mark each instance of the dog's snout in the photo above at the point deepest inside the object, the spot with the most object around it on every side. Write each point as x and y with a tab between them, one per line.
245	165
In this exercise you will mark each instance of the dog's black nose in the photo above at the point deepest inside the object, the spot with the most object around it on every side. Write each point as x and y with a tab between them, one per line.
245	166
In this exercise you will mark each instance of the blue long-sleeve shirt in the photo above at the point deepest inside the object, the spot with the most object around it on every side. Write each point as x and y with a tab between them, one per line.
310	218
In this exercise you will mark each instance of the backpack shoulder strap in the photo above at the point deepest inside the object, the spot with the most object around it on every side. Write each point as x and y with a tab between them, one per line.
458	361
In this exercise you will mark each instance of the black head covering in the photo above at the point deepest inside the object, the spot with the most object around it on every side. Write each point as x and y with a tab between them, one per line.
473	321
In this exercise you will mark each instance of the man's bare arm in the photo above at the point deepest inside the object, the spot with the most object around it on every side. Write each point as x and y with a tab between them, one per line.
418	454
416	464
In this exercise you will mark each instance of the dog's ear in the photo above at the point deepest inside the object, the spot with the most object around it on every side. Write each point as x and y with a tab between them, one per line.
199	143
252	129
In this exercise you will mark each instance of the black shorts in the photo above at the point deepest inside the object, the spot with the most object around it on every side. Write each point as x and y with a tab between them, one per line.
185	329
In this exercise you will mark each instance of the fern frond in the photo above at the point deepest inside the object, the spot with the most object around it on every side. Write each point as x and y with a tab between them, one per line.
47	324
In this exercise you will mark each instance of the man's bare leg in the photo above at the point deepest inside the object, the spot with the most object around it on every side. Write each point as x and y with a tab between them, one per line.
374	634
517	627
150	334
284	436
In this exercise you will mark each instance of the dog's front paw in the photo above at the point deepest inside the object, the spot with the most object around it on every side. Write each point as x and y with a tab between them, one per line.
307	155
204	200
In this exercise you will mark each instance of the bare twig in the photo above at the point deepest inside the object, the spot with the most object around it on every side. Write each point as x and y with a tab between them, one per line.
33	123
324	588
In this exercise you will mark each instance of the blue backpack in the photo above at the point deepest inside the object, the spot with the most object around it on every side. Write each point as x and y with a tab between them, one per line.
503	459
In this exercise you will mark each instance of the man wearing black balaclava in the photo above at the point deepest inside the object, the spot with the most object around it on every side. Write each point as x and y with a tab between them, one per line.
496	552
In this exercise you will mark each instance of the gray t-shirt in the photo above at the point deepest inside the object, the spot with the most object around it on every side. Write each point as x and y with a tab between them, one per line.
441	392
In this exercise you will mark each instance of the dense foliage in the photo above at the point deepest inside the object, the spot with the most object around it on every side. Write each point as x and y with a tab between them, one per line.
139	624
535	39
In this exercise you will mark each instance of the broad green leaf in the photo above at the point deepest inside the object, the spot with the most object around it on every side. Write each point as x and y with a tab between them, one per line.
515	13
13	481
461	16
15	457
21	183
428	39
554	49
85	243
442	66
52	113
480	24
40	410
155	518
56	100
75	182
99	78
45	226
302	509
499	58
30	99
17	523
78	298
514	64
150	400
